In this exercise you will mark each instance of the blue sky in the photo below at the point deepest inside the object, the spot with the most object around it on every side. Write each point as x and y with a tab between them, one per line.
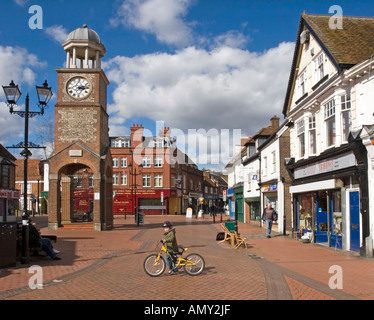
192	65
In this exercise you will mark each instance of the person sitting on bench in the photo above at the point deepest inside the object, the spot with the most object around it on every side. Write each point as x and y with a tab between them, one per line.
35	237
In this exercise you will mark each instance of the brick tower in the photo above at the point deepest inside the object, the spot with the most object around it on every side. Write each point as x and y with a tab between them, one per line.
81	145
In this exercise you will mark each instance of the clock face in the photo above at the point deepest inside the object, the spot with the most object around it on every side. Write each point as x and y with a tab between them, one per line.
79	88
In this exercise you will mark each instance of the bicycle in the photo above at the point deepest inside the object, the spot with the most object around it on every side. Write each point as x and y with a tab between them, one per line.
155	264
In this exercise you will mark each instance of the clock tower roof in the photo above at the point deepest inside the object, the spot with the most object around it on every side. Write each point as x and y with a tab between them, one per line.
84	33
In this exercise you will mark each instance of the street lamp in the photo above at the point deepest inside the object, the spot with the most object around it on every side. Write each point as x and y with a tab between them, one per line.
134	187
12	94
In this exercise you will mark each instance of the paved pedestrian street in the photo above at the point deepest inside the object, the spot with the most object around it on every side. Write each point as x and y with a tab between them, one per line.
109	266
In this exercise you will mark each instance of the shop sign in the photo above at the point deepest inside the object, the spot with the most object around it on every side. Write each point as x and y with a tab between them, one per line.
10	194
328	165
230	192
269	188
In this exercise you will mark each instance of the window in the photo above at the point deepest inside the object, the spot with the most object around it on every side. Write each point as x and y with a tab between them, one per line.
90	181
159	143
124	179
330	123
312	135
274	160
301	84
301	137
116	143
115	179
5	176
123	162
115	162
319	68
158	162
126	143
158	180
146	162
251	150
146	180
345	101
265	172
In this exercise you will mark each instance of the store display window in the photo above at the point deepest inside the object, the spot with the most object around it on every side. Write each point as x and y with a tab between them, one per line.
306	209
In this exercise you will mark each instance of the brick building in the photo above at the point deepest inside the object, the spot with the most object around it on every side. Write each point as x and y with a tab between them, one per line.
151	175
35	183
9	193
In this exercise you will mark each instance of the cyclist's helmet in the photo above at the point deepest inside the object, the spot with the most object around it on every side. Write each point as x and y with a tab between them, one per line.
166	224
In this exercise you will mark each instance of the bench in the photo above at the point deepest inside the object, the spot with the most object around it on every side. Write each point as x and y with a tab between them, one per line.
35	248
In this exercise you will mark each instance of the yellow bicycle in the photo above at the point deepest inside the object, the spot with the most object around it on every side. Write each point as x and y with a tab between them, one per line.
155	264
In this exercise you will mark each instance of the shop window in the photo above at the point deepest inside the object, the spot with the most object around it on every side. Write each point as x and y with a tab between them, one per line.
337	218
306	209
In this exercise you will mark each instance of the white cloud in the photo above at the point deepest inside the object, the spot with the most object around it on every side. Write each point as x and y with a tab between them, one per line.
21	3
162	18
15	64
232	38
57	33
225	88
10	126
18	63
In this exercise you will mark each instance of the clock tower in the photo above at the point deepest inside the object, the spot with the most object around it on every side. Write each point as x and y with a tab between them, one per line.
81	143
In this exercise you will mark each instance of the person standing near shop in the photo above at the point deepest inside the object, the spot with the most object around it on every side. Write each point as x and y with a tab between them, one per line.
269	215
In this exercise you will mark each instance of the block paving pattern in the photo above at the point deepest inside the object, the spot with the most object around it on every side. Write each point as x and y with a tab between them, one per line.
109	266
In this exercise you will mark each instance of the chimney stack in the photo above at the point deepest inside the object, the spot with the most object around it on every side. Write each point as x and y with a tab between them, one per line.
164	132
136	135
275	122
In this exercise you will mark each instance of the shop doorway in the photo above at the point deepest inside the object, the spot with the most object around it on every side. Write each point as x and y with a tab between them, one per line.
354	209
321	217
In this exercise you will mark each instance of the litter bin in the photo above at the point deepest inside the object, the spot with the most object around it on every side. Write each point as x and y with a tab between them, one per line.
140	218
8	244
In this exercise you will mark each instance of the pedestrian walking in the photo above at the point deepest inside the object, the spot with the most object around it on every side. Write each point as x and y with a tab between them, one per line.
268	216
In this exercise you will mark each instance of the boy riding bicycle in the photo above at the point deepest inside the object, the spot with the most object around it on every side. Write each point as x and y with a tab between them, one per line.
171	245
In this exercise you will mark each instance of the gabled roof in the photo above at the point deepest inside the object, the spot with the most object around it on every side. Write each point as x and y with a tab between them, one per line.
34	171
4	153
345	47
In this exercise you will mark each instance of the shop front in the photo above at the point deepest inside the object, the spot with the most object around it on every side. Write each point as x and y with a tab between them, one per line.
320	213
239	204
9	200
148	201
231	203
326	201
270	195
254	208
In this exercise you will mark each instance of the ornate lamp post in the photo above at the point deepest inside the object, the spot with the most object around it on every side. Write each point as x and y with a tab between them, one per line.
134	186
12	94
